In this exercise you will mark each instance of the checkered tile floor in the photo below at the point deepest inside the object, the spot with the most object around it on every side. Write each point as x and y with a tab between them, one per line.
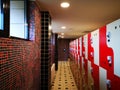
63	79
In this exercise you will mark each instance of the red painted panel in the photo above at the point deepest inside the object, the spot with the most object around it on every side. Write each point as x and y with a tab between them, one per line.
83	48
86	70
105	51
80	64
79	46
90	49
95	74
114	80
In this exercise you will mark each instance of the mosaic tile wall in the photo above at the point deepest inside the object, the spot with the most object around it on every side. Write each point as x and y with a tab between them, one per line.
54	50
20	59
45	51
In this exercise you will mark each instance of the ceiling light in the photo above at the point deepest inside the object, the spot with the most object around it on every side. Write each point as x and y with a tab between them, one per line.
65	4
50	27
62	36
62	33
63	27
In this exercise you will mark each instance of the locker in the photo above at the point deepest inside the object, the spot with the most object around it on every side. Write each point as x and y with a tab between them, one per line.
83	48
90	78
95	45
82	65
105	51
80	53
98	57
113	41
86	71
90	49
114	81
95	75
80	45
85	45
103	79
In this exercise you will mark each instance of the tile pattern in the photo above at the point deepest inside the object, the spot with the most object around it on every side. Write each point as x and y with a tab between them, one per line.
45	51
20	61
19	65
64	79
54	50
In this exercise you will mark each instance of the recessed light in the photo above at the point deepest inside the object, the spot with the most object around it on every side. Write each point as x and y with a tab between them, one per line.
50	27
62	36
65	4
63	27
62	33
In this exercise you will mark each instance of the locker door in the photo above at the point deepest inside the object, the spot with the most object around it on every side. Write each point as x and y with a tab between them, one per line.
106	53
80	45
95	45
95	75
90	48
85	43
113	41
90	78
102	78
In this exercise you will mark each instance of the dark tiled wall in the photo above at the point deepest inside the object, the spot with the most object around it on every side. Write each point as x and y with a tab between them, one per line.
45	51
63	49
56	52
52	48
20	59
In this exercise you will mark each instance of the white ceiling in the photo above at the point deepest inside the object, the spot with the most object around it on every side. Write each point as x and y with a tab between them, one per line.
82	16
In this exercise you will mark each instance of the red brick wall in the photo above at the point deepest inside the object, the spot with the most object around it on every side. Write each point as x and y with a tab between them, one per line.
20	59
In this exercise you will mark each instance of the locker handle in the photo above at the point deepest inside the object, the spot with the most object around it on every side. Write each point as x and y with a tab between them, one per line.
109	58
108	82
91	53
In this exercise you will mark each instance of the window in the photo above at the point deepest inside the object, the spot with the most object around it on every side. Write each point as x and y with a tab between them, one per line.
13	18
4	18
1	15
18	19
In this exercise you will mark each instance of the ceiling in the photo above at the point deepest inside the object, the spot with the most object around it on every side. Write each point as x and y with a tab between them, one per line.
82	16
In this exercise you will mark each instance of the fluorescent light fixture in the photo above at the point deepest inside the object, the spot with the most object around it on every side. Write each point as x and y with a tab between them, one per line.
65	4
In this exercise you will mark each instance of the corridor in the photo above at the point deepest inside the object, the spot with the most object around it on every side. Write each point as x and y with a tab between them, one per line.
35	35
63	79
